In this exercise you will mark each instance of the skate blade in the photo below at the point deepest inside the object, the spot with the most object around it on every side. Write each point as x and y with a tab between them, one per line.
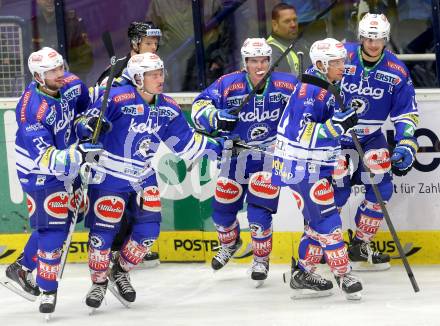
47	317
10	285
309	294
258	283
362	266
353	296
147	264
115	292
92	311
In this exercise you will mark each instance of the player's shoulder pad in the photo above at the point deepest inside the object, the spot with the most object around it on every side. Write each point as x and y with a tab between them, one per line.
395	65
230	77
169	101
284	80
70	78
122	94
351	48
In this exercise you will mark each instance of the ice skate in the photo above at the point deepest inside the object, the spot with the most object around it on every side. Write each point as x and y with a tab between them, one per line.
48	302
120	285
350	285
224	255
307	285
259	271
20	281
96	295
150	260
363	258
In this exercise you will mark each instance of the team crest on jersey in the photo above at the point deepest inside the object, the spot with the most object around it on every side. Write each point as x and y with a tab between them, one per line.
260	185
387	77
350	70
227	191
360	104
56	204
109	209
136	109
30	205
151	200
378	160
299	200
258	131
322	192
143	147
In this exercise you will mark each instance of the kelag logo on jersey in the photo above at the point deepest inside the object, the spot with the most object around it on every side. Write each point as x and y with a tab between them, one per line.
352	88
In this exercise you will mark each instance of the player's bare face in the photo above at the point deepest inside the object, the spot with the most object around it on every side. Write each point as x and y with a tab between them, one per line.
335	70
148	44
54	79
286	26
372	47
257	68
153	81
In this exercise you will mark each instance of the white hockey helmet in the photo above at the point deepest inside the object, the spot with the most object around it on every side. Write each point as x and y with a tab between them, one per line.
374	26
44	60
141	63
255	47
326	50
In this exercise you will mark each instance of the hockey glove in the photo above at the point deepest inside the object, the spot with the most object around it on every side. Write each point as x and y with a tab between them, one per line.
403	156
85	127
341	122
225	120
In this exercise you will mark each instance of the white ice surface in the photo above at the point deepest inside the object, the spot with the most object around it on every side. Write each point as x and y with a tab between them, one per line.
191	294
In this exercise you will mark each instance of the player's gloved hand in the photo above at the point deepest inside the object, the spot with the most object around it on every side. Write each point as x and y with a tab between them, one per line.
341	122
225	120
90	152
230	146
85	127
403	156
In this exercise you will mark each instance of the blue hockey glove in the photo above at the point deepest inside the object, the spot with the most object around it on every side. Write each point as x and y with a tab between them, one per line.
85	127
403	156
225	120
341	122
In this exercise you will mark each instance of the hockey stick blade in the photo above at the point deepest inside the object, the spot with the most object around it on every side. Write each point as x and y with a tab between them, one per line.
332	89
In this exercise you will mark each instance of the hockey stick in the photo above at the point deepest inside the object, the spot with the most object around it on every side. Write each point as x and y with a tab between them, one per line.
309	79
300	55
115	63
283	55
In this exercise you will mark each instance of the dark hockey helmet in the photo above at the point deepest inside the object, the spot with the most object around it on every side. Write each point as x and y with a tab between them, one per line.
137	30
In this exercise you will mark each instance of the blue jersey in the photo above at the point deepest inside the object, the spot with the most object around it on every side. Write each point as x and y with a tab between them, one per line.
45	123
378	92
305	142
259	118
137	130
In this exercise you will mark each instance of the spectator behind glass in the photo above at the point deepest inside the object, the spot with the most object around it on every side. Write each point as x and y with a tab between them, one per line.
284	32
174	18
44	33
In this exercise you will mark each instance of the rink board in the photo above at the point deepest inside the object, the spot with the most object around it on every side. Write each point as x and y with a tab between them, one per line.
421	247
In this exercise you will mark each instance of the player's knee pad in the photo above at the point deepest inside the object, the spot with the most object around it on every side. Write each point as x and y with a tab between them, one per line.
99	253
228	234
29	259
260	224
310	253
50	243
228	197
261	192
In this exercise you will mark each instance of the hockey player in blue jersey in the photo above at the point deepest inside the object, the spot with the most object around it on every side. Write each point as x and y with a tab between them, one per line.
213	112
141	117
47	161
378	86
305	156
